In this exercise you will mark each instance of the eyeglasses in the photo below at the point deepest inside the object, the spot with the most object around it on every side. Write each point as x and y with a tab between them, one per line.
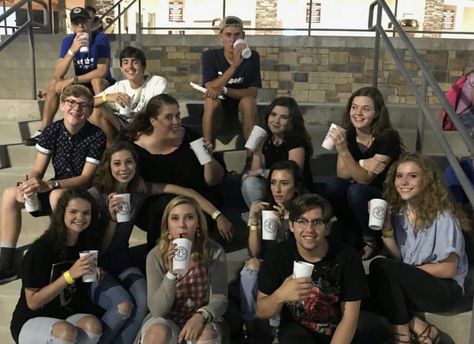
315	224
81	105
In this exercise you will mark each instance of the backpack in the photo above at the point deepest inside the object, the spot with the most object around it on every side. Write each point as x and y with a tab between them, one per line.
452	95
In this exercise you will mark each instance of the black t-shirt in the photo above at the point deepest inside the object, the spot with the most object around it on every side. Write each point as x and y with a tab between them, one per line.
214	64
41	265
387	144
337	278
117	257
275	154
180	167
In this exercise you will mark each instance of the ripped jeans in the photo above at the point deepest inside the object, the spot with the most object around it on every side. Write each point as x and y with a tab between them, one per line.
129	289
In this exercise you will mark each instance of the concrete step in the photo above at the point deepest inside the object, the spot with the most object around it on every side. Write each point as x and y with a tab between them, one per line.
17	110
10	176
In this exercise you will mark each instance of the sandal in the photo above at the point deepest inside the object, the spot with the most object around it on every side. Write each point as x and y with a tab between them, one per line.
425	336
401	338
369	250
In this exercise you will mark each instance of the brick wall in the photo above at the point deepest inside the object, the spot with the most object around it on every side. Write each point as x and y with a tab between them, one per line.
313	69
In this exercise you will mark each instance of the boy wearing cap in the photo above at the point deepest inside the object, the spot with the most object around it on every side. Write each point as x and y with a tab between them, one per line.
91	68
115	106
225	72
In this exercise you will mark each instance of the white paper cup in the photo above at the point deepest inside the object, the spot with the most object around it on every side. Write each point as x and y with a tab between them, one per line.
125	111
32	203
91	276
302	269
85	48
270	224
256	137
182	256
377	210
246	53
201	153
328	143
123	213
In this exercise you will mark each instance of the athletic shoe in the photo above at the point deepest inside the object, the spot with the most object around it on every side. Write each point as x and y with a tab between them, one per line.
33	139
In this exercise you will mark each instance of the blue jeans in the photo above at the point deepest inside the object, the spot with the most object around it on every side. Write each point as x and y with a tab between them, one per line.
253	189
349	201
109	293
39	330
248	296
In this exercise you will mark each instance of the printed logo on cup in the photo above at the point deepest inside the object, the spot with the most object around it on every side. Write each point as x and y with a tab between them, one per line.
379	212
124	208
270	225
181	253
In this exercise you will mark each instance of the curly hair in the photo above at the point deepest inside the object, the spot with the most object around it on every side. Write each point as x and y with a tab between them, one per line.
199	250
436	196
140	123
381	124
103	180
294	169
89	239
296	121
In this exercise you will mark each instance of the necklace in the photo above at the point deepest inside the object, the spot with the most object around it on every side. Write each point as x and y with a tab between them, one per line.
365	143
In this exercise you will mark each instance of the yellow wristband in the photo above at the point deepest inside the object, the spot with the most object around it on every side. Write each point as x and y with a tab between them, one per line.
70	53
104	97
216	214
387	233
252	228
68	277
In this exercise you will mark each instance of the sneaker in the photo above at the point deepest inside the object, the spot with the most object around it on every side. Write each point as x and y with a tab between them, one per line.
7	276
33	139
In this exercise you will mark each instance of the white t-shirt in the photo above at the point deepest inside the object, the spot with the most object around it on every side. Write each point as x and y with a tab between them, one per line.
139	97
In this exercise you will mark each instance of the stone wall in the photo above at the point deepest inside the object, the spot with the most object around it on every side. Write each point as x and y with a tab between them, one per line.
313	69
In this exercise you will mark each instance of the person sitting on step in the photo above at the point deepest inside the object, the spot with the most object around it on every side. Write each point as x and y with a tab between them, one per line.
74	147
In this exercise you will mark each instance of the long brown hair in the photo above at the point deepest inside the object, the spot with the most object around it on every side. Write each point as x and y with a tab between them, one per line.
381	124
103	180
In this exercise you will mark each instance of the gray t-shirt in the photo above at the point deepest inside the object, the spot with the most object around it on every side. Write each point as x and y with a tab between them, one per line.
432	244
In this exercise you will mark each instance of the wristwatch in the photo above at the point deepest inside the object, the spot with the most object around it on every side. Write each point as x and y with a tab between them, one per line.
54	184
205	315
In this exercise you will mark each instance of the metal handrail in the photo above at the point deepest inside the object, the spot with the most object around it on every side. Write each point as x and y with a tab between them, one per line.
28	25
121	12
429	80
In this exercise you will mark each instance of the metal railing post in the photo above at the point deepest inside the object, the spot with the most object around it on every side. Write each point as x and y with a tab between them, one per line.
31	41
420	129
375	72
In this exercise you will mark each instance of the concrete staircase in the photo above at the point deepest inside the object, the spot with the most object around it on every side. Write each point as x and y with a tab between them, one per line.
21	117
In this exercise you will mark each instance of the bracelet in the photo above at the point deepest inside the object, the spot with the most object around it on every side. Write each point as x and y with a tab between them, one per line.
104	97
76	79
171	276
70	53
387	233
252	227
112	220
361	162
216	214
67	276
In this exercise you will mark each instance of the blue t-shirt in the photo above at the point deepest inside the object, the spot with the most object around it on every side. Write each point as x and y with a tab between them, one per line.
453	184
85	62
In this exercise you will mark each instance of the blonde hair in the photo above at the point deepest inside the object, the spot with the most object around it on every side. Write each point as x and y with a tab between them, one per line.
436	196
199	251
